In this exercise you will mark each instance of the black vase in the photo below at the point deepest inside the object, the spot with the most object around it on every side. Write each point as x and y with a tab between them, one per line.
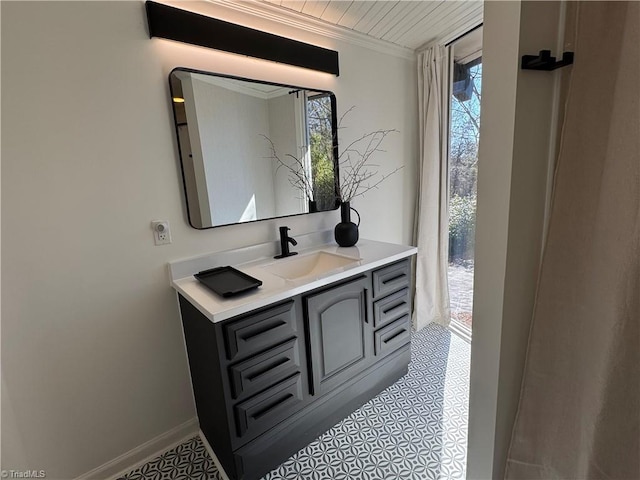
346	232
313	206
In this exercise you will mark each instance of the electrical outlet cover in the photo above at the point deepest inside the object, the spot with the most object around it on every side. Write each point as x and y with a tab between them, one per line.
161	232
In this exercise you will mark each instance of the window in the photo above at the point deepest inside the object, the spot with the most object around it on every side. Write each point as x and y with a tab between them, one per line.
463	170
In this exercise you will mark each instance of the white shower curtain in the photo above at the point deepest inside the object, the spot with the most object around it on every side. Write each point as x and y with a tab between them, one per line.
432	218
579	412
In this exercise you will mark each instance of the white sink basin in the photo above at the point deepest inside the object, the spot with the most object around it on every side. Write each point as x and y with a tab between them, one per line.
309	265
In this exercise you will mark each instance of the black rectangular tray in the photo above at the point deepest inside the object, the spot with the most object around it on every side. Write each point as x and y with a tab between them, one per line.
227	281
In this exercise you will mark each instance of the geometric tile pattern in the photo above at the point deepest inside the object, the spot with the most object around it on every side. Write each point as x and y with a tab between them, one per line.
414	430
187	461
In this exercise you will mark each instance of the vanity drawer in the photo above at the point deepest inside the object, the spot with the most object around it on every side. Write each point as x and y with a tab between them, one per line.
264	370
391	278
389	308
393	336
263	411
259	330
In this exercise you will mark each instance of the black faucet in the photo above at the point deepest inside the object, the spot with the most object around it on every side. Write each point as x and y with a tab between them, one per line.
285	240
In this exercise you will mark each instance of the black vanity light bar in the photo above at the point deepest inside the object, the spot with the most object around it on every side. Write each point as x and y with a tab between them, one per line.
188	27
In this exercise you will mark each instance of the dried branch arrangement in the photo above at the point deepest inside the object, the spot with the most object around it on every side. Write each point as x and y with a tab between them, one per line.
299	176
356	172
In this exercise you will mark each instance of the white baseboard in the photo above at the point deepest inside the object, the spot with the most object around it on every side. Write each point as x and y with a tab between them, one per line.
143	453
223	474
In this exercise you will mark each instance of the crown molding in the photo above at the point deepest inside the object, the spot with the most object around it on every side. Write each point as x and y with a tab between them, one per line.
301	21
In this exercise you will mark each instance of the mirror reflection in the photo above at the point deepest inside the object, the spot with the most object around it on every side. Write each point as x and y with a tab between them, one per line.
253	150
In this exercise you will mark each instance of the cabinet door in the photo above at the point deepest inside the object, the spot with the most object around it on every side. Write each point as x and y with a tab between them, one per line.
340	339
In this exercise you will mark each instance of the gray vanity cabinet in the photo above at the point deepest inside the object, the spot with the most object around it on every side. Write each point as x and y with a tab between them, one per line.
248	374
340	340
268	382
391	307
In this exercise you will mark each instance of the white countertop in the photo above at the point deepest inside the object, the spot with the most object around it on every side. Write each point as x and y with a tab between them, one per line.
367	255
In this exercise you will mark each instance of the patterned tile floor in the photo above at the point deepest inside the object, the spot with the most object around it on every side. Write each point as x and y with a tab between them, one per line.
414	430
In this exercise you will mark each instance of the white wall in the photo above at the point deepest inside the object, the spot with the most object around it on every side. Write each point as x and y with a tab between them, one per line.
516	147
93	363
235	166
194	169
282	132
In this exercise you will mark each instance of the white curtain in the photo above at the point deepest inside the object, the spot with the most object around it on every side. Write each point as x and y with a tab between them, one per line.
579	412
431	303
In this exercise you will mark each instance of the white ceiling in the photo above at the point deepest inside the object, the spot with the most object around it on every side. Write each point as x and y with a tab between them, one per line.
406	23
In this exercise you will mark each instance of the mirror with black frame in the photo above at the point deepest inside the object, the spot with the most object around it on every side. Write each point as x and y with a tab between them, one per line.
253	150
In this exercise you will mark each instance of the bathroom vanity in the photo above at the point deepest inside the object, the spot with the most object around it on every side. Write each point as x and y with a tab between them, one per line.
274	368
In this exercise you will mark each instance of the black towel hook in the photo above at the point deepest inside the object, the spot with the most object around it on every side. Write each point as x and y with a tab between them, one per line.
544	61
